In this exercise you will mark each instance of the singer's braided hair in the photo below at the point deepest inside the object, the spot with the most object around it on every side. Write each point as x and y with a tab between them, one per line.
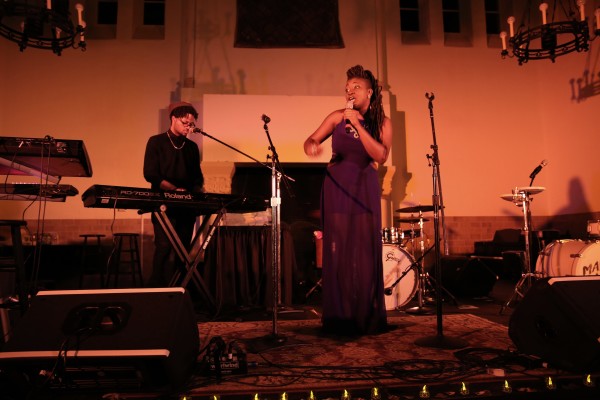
375	114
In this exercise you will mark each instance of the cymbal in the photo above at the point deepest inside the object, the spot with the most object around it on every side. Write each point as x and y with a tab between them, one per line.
415	209
410	220
531	189
508	197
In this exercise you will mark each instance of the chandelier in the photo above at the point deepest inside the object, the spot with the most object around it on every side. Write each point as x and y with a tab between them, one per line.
42	24
552	38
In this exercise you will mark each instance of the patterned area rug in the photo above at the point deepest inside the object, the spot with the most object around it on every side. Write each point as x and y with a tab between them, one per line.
310	360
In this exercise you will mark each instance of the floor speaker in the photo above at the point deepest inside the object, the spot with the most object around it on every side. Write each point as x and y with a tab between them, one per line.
118	338
557	321
467	276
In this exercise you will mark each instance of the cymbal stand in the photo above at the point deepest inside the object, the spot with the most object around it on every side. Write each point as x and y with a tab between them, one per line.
422	283
523	198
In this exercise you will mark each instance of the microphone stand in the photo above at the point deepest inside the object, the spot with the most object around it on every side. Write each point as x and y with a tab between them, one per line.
274	338
439	340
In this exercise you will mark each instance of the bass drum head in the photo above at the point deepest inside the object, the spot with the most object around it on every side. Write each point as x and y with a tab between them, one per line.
569	257
397	261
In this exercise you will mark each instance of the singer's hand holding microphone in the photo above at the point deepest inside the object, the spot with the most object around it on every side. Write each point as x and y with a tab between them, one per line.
350	114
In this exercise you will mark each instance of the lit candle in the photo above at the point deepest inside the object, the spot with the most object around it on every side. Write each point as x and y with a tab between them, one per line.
49	4
511	25
581	4
503	37
597	14
58	31
543	9
79	9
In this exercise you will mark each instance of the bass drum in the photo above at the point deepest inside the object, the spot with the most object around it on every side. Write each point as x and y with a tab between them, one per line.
569	257
397	261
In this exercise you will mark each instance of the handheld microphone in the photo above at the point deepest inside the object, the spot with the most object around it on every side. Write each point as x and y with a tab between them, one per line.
538	169
265	119
349	106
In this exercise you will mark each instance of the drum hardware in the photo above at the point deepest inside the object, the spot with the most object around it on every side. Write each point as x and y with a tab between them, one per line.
397	260
521	197
391	236
593	229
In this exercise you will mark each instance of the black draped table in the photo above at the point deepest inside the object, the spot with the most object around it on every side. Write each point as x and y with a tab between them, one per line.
238	266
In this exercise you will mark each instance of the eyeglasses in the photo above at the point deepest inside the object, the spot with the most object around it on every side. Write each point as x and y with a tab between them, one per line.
187	124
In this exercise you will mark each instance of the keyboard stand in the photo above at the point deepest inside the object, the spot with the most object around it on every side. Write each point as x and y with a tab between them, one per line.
192	258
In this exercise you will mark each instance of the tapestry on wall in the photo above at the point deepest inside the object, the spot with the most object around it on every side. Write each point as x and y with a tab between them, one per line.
280	24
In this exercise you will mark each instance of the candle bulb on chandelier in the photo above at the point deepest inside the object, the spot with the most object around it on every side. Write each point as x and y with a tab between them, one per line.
49	4
503	38
543	9
79	9
597	14
581	4
511	25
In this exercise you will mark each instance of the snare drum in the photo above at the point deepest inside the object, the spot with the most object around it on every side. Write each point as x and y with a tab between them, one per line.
396	261
569	257
391	236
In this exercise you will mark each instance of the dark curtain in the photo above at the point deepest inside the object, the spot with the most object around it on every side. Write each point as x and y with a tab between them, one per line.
281	24
238	267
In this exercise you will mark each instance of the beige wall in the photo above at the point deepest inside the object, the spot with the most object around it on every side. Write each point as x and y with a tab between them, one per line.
495	121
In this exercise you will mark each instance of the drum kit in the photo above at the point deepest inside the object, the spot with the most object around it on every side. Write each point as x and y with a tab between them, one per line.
563	257
403	253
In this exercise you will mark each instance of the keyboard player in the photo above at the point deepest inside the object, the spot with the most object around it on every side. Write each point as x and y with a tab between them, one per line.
172	162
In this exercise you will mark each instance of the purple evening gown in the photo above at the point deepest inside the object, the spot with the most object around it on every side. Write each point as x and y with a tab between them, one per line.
353	298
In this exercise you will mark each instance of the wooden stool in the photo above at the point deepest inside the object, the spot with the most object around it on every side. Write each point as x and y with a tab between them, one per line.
14	263
127	253
95	254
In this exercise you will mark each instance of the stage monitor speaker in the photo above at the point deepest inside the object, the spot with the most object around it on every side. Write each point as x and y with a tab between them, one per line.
557	321
467	276
116	338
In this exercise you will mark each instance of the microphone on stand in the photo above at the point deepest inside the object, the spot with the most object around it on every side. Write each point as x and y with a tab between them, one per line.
265	119
197	130
388	291
538	169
